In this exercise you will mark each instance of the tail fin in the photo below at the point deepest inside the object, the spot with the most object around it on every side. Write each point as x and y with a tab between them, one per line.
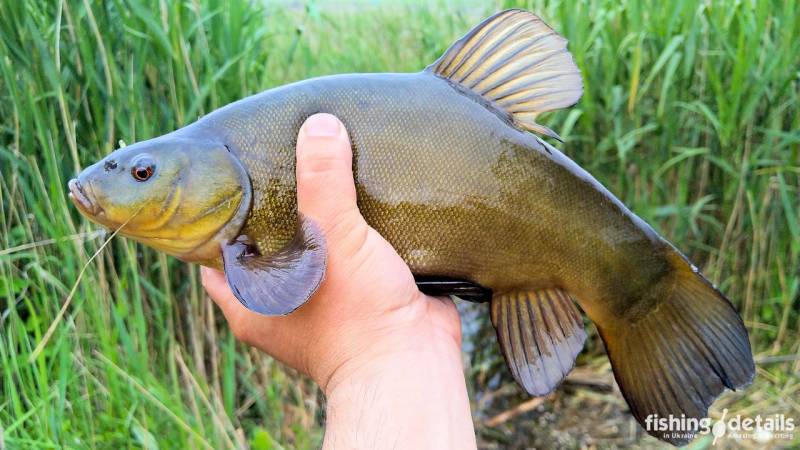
677	359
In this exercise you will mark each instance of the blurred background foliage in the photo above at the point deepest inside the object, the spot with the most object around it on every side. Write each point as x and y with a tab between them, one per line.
690	116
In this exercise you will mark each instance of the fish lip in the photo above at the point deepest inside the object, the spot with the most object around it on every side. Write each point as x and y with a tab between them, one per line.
82	199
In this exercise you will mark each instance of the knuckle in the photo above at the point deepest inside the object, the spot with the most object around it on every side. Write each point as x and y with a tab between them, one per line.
347	226
321	163
322	155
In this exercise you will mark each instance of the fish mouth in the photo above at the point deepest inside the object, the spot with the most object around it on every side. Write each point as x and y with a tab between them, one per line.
82	199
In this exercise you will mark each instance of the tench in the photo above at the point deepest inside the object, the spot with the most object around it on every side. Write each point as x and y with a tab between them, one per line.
448	171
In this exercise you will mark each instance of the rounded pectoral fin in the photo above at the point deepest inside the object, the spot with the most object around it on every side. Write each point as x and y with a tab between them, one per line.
277	284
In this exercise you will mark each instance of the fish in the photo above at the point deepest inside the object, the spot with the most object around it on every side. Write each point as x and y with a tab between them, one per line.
453	169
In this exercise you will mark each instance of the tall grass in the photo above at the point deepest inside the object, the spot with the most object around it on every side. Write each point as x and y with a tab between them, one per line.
690	116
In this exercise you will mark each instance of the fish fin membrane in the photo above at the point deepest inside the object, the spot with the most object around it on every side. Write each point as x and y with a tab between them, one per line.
674	361
516	62
540	334
277	284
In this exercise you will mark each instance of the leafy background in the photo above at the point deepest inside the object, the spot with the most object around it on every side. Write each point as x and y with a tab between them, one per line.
690	116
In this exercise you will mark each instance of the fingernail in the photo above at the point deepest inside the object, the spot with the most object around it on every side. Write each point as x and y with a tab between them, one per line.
322	125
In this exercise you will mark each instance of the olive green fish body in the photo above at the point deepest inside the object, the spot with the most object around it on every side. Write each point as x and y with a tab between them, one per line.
449	182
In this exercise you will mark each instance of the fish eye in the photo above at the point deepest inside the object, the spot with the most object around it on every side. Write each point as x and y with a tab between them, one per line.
142	168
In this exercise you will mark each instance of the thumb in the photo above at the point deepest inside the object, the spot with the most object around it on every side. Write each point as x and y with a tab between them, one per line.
325	187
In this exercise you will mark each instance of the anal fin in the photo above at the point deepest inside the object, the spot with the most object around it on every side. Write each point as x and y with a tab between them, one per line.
277	284
540	334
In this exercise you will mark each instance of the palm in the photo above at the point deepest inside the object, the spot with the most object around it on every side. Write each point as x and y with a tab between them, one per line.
370	291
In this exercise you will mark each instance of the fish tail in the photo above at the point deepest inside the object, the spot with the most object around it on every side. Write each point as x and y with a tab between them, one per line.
673	361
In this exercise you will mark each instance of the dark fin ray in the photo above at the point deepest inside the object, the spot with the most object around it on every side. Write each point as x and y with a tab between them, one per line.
518	64
678	358
277	284
540	334
463	289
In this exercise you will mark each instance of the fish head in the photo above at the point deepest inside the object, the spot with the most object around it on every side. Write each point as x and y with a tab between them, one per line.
182	196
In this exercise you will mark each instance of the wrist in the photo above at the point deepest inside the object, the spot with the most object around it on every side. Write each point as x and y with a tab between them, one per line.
389	355
414	396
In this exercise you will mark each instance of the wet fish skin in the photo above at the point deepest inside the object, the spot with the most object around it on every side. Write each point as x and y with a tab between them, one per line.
450	184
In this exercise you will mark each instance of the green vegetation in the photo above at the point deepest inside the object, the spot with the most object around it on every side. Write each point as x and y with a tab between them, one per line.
690	116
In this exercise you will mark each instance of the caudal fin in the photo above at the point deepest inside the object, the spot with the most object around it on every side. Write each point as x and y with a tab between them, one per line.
678	358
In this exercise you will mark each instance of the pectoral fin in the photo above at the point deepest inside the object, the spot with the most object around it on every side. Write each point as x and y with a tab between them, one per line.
540	334
277	284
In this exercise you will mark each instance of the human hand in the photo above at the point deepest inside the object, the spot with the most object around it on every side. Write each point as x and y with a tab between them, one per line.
367	328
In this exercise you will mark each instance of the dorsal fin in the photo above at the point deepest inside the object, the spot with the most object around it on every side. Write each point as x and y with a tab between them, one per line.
518	63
